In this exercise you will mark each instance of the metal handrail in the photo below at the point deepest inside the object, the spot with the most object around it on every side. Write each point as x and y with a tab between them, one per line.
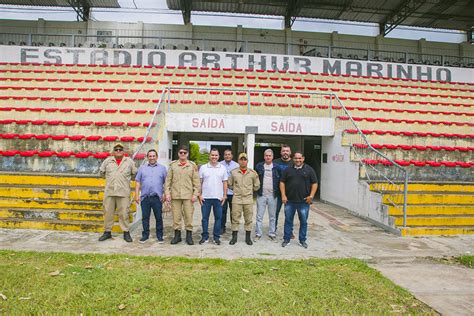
308	47
331	112
391	162
150	126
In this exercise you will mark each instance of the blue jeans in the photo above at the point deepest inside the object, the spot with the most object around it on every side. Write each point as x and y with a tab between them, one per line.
147	204
216	206
227	205
278	209
303	211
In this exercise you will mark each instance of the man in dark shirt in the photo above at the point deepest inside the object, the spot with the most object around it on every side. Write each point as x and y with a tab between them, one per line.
283	162
298	185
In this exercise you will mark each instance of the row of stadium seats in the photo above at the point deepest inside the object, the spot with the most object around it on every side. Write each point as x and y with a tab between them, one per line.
194	71
418	163
410	134
23	98
72	123
415	147
82	89
61	154
323	107
91	138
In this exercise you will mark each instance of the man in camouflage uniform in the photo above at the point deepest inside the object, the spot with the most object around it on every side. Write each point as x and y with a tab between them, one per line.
243	181
182	188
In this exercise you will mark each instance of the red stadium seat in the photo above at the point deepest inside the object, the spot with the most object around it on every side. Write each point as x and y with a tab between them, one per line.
127	138
101	155
46	153
110	138
64	154
76	137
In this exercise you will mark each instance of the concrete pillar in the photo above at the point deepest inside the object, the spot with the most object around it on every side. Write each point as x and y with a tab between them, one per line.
240	144
289	41
239	38
40	26
250	146
379	39
422	47
165	146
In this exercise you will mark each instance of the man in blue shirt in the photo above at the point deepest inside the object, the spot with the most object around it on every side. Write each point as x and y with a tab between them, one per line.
229	165
150	180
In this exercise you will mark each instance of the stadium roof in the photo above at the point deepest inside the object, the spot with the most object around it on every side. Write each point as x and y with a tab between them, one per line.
64	3
443	14
82	7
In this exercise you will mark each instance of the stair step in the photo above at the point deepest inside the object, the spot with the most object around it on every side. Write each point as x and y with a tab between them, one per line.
89	194
48	180
433	210
458	199
436	231
429	221
54	204
427	187
78	226
64	215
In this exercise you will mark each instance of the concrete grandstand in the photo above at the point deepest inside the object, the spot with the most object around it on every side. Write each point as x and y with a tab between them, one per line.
387	123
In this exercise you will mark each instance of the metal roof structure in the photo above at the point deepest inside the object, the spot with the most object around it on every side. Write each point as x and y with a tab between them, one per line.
82	7
442	14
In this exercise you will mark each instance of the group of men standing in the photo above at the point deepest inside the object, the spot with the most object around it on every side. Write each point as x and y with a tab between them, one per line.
225	188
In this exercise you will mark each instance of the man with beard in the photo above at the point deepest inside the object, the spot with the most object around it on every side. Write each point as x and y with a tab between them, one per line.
298	185
283	162
229	165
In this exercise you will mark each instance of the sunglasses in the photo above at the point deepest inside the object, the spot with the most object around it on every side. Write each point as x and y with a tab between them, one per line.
118	149
183	152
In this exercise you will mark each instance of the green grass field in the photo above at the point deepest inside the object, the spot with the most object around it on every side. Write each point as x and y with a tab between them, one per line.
63	283
468	261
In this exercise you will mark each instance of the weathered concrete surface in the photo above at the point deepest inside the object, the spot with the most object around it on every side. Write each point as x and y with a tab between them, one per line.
333	233
449	289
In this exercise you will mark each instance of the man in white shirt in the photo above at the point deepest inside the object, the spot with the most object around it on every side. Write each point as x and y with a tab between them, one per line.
229	165
213	177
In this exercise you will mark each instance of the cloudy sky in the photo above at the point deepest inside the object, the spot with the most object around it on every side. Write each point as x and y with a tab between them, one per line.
156	11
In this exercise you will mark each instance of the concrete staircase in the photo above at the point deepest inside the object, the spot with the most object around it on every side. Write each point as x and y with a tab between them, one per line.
434	209
51	202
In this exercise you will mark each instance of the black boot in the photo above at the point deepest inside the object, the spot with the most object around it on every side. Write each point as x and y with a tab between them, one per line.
189	237
234	238
248	240
105	236
127	237
177	237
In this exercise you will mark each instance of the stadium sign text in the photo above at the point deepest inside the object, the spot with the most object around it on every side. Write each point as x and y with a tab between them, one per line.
259	62
232	124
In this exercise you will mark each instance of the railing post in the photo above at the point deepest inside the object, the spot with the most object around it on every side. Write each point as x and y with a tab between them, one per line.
329	52
330	105
169	99
30	41
406	57
248	101
405	197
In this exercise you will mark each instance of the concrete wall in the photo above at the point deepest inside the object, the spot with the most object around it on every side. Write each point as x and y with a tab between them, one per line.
340	184
271	38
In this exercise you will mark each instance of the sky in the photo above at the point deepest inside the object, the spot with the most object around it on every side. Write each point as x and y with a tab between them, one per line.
156	11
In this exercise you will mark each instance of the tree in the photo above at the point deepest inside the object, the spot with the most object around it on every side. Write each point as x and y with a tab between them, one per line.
194	152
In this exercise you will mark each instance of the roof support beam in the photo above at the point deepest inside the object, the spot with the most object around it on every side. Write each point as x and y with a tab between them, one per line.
292	10
186	6
400	14
82	8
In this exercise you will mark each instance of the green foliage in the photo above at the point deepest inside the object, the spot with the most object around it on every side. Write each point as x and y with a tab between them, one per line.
194	153
41	283
468	261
